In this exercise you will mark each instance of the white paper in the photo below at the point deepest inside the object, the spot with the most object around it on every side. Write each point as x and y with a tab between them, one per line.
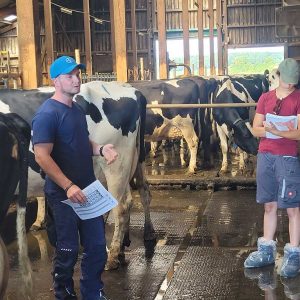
282	123
99	201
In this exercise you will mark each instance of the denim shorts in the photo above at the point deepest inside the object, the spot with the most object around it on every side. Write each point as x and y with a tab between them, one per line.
278	179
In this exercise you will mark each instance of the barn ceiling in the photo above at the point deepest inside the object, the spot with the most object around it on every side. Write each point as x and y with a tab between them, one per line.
7	7
5	3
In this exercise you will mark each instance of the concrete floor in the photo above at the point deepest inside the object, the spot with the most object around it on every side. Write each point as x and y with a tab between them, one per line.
203	239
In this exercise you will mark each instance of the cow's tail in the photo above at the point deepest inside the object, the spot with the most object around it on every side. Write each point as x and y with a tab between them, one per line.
140	144
23	139
142	109
4	266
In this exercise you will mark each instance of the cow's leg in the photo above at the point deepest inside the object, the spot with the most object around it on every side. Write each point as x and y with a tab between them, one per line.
42	245
242	161
224	148
191	139
182	160
164	152
154	147
143	188
41	213
126	239
4	268
121	218
25	267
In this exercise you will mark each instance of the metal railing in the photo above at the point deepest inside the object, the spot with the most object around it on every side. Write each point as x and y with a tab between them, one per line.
98	77
210	105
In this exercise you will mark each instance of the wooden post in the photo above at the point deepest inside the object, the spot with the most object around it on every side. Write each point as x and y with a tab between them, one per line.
77	56
142	67
186	34
133	39
219	30
29	43
112	35
162	39
87	37
48	35
211	37
226	38
118	8
200	37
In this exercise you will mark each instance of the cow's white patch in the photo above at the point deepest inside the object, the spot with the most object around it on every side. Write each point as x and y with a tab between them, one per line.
246	96
173	82
46	89
113	90
4	108
273	80
162	93
156	110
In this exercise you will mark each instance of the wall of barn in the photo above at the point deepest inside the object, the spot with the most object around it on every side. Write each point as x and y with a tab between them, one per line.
244	23
253	22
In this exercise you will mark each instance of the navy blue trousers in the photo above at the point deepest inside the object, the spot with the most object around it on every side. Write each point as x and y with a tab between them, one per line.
69	228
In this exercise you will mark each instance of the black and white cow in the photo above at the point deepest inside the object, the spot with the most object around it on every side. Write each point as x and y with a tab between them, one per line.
14	145
115	114
234	123
173	123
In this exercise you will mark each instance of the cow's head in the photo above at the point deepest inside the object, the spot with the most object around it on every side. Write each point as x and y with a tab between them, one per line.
273	79
243	137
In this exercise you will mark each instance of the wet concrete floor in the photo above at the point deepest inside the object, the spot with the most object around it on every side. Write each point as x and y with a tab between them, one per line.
203	239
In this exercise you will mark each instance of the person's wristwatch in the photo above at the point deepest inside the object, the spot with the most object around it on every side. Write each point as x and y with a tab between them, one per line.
101	151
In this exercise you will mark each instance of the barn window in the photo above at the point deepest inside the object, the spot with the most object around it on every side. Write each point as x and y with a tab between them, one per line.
175	53
254	60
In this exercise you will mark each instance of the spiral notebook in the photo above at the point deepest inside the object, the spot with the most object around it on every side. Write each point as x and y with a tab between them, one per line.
282	123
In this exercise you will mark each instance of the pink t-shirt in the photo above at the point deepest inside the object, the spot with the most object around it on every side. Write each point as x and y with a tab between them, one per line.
290	107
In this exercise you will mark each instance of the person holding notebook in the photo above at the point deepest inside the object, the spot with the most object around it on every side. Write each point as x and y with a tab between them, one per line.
278	171
64	152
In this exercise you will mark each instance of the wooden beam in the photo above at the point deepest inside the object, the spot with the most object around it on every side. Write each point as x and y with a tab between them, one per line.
48	35
8	28
186	34
211	37
87	37
29	43
200	37
220	44
162	39
118	9
112	35
226	38
133	39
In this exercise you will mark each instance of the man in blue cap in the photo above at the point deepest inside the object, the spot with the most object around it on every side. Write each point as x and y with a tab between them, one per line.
64	151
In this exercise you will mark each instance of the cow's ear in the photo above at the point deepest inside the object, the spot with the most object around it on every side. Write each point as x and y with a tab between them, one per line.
266	73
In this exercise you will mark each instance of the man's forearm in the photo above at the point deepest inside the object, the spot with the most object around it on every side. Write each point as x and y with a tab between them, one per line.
53	171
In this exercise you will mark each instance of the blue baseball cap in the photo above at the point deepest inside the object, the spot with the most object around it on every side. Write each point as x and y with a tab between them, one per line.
64	65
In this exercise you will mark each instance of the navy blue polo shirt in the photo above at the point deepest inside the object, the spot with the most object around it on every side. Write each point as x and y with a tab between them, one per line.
66	128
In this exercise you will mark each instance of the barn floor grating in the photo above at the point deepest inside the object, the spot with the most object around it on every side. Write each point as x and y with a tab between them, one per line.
203	239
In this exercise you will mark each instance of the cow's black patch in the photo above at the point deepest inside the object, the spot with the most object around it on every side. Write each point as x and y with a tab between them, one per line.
89	109
122	113
153	121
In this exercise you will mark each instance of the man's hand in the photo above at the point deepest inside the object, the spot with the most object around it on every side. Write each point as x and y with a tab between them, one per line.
75	194
109	153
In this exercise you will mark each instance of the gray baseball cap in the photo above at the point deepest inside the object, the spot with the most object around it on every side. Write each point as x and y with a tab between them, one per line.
289	71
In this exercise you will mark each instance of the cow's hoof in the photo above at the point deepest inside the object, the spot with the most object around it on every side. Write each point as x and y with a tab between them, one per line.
149	248
112	265
223	172
36	227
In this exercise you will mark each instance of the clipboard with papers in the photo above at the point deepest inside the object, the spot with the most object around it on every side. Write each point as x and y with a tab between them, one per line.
99	201
282	123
